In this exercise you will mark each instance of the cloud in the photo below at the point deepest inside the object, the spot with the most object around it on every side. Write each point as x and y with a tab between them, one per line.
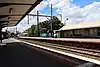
92	8
42	5
53	1
91	12
74	13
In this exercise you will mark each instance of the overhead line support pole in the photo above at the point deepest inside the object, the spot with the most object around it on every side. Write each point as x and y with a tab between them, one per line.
51	23
38	24
28	19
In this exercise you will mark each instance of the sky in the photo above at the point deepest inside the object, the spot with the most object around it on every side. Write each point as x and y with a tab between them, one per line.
77	11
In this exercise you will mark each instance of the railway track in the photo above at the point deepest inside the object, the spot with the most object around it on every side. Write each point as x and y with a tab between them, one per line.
89	53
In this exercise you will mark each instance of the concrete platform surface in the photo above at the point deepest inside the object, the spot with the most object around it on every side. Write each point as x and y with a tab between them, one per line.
17	55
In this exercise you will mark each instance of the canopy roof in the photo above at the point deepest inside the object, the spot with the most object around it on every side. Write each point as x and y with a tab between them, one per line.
13	11
81	25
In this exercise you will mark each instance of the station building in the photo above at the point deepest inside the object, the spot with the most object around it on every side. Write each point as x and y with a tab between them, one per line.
85	29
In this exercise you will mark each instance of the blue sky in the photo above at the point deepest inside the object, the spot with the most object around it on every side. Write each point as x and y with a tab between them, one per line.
83	3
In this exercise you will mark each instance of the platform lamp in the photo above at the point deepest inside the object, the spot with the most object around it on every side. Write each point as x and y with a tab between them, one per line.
10	10
65	20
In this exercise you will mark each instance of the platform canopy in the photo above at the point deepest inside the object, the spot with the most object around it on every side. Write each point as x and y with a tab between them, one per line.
82	25
13	11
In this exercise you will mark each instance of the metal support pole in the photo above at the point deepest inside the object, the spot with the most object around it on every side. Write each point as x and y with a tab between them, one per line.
61	17
51	23
60	14
16	31
38	24
0	35
27	23
28	19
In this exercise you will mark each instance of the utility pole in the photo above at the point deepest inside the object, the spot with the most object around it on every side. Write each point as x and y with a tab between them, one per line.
27	23
61	17
0	35
28	19
38	24
16	31
60	14
51	23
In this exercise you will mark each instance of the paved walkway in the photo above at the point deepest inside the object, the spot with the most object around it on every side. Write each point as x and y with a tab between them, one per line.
10	40
18	55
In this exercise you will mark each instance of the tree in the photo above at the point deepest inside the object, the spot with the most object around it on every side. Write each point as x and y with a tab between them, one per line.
57	23
30	31
45	25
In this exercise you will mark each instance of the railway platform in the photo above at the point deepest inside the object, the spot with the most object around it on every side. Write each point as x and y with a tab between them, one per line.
83	49
16	54
28	53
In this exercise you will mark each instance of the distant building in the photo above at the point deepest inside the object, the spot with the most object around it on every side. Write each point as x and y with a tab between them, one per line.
24	34
86	29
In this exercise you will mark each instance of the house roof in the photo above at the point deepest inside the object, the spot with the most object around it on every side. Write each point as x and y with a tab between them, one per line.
13	11
81	25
